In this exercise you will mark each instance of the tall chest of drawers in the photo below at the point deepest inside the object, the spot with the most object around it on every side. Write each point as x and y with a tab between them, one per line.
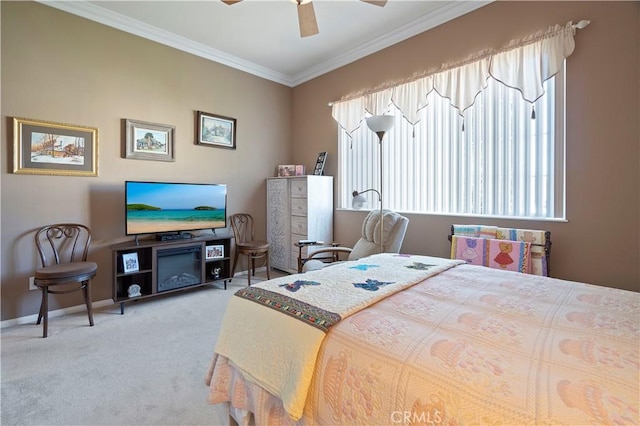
298	208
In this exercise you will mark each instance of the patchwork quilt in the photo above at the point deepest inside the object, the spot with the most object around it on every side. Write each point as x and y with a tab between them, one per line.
536	260
493	253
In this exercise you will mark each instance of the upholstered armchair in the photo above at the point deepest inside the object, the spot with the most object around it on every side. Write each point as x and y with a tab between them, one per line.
394	229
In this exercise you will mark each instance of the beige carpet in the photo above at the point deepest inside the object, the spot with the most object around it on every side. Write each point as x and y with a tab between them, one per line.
145	367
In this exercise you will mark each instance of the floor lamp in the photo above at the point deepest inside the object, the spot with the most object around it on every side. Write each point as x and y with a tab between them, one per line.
379	124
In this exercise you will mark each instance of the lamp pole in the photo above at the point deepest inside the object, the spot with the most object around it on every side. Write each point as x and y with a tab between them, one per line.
380	136
380	124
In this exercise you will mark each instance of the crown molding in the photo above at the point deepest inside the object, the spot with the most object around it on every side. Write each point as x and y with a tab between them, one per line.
444	14
104	16
149	32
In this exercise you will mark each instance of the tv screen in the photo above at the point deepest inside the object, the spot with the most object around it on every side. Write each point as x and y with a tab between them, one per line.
162	207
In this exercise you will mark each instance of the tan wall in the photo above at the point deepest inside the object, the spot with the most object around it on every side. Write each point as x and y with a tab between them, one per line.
59	67
599	243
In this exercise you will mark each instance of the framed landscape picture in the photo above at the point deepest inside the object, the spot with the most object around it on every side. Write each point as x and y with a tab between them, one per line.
48	148
215	130
148	141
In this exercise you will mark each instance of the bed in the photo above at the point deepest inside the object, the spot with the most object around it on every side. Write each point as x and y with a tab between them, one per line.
432	341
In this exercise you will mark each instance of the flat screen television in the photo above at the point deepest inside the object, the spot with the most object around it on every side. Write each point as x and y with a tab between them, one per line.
166	207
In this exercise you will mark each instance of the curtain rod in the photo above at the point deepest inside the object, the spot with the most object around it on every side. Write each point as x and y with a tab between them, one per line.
579	25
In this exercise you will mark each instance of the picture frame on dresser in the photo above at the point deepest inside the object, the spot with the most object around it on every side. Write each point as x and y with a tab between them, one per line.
320	161
286	170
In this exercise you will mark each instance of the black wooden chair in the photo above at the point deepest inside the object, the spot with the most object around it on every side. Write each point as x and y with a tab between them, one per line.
63	250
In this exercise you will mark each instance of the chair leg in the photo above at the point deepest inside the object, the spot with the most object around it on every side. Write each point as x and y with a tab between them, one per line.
253	264
45	311
249	263
86	290
41	312
233	269
268	265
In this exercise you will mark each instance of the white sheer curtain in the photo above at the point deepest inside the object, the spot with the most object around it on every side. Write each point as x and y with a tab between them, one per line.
525	64
504	164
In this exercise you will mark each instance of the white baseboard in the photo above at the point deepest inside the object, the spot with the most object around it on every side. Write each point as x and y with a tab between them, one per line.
28	319
31	319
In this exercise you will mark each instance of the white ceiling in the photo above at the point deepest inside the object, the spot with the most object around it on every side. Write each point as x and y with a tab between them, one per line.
262	37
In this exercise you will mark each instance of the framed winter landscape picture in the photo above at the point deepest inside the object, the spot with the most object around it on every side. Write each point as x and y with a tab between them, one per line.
48	148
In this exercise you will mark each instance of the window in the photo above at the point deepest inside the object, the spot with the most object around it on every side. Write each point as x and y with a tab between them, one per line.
496	162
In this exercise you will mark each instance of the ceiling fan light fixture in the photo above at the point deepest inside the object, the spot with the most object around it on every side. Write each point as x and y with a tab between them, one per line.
380	3
307	18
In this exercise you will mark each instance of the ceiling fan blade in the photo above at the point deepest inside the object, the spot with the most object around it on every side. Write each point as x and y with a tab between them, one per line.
231	2
380	3
307	19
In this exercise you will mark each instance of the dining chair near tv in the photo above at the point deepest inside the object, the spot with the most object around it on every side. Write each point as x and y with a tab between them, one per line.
63	250
247	245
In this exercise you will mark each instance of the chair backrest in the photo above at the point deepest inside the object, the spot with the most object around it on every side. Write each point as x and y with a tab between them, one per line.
394	230
242	226
63	243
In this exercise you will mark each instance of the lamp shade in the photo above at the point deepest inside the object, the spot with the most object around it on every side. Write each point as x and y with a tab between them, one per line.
358	201
381	123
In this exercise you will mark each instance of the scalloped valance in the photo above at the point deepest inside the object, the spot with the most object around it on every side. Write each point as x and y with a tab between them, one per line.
524	64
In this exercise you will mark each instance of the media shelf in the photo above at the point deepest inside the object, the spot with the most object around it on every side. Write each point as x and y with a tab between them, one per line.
162	267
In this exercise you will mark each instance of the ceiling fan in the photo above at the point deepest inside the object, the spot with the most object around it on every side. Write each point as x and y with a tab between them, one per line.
307	16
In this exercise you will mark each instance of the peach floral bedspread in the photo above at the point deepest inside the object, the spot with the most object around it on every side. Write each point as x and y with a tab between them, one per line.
471	345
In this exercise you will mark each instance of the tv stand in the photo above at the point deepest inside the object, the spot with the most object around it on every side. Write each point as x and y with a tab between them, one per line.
163	267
